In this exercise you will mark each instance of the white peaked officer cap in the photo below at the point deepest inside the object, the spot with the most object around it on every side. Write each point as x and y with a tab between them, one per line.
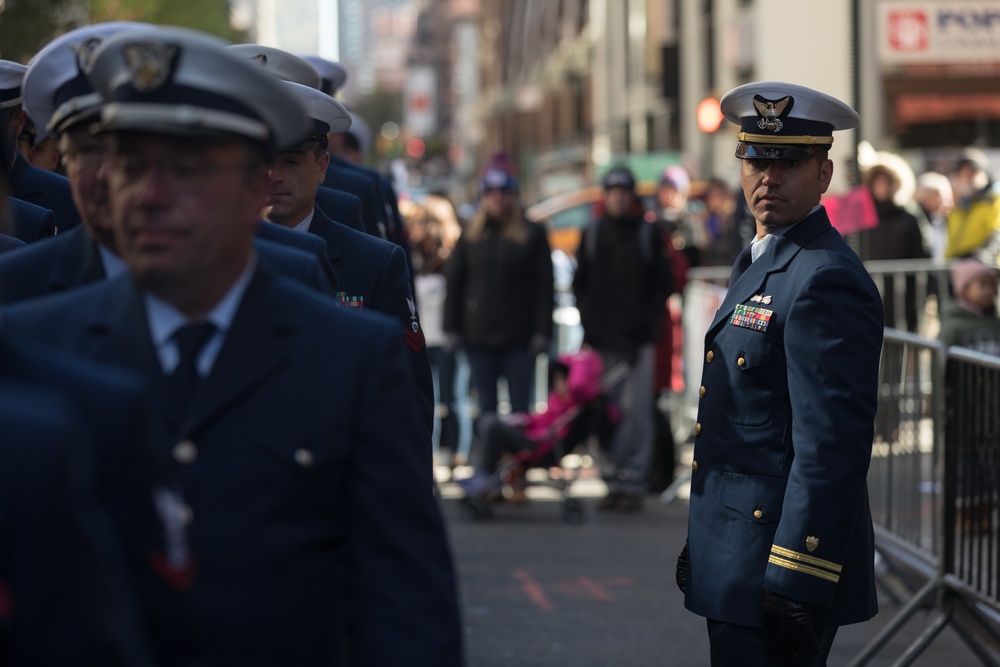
11	76
784	121
333	75
280	63
57	93
325	113
186	83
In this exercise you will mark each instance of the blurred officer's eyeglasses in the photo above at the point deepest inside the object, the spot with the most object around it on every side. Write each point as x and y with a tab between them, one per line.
179	175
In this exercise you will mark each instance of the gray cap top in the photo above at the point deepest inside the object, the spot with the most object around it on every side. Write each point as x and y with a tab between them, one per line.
280	63
333	74
56	91
182	82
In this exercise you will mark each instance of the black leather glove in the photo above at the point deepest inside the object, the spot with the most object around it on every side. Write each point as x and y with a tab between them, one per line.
787	625
682	562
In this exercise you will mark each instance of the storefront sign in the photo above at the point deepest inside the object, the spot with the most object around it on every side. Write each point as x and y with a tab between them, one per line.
915	32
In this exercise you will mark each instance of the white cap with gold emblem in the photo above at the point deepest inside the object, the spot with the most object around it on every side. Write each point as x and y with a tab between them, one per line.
784	121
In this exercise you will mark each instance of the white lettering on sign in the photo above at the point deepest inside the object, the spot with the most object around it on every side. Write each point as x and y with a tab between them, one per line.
938	32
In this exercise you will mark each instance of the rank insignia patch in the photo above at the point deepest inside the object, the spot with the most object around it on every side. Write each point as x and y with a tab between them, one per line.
751	317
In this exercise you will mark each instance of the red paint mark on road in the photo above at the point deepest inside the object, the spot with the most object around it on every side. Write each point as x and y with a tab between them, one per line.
594	590
533	590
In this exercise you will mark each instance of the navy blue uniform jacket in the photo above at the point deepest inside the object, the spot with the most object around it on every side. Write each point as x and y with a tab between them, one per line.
128	474
46	189
345	179
28	222
375	271
60	569
342	207
316	531
779	499
10	243
72	259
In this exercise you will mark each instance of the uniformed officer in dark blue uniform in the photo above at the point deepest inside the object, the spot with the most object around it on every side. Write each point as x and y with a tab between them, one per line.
371	272
56	88
317	534
341	206
780	548
27	182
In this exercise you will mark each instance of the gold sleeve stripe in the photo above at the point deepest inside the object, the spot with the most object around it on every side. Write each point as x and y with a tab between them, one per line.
804	569
801	139
805	558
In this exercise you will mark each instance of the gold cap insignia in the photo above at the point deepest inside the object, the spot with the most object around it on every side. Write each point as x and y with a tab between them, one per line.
85	52
149	63
812	543
771	112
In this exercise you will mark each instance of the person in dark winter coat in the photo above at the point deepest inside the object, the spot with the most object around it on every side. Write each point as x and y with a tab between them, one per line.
622	280
897	236
500	295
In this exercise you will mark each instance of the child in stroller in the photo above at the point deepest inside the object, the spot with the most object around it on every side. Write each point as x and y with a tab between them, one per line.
576	405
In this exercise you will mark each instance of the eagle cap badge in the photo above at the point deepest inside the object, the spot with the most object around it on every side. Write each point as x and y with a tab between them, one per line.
812	543
772	111
85	52
149	63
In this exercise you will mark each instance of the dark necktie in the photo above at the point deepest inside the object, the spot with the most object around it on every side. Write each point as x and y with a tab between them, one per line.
190	340
743	262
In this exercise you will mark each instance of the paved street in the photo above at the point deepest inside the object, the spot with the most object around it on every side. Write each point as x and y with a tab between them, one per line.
538	591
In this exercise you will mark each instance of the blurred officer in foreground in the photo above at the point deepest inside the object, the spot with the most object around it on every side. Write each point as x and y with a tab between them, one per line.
621	284
780	548
317	534
57	89
27	182
61	592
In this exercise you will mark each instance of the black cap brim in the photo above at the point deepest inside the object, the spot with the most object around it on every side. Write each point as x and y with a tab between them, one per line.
749	151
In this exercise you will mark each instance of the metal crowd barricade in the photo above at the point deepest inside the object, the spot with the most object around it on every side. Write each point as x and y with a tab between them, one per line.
956	467
911	290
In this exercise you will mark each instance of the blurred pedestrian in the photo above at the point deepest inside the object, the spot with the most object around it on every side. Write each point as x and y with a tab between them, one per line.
934	199
622	280
719	238
499	299
433	231
970	320
974	223
780	546
889	180
672	195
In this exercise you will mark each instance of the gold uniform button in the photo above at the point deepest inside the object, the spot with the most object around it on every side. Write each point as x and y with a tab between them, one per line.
304	457
741	362
694	466
757	514
185	452
697	429
710	356
702	391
